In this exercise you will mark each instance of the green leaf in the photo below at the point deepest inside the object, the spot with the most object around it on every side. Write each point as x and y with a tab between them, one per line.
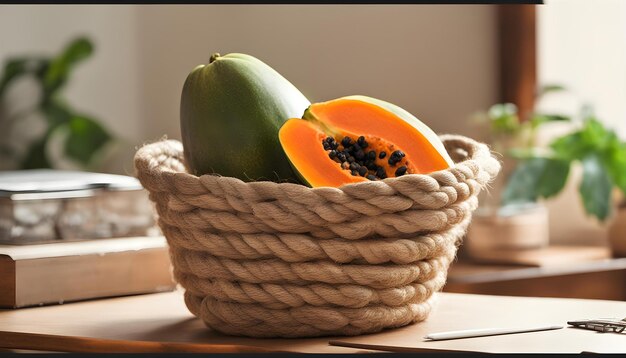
538	119
12	69
550	88
595	135
615	162
36	156
554	177
502	110
593	138
504	117
60	67
85	138
595	188
56	112
534	178
17	67
571	146
610	150
78	50
556	117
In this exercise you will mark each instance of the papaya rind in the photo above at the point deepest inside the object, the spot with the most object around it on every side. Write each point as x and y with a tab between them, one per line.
432	137
231	111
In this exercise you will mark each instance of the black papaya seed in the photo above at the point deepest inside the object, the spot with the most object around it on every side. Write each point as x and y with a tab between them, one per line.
401	171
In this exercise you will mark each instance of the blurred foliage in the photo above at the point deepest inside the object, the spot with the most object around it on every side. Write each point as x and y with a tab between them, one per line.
507	130
542	172
86	137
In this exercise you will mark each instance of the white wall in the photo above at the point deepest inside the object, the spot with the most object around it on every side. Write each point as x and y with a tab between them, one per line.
582	45
438	62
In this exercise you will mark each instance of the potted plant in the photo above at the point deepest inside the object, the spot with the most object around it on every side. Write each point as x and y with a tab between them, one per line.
501	222
27	131
543	172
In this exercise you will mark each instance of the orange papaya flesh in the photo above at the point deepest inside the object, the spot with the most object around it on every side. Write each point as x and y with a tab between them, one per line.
348	141
302	142
368	118
339	163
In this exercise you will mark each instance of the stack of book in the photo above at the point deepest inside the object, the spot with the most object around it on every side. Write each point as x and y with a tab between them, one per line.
67	236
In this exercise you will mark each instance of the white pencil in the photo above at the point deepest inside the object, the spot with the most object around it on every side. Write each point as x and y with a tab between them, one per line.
485	332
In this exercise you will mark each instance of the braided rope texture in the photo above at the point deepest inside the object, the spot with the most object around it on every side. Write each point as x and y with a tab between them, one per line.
265	259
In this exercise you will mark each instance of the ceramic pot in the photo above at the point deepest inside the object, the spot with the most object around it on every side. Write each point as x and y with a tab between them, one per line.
513	228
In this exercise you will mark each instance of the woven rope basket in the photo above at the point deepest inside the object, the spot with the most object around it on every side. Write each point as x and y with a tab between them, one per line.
264	259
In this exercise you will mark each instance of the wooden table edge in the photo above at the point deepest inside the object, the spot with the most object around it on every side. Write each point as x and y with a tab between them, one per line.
74	344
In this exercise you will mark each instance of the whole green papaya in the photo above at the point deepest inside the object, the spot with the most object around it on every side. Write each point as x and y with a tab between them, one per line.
230	112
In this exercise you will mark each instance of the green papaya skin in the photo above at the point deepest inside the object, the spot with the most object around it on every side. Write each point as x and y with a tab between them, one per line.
230	112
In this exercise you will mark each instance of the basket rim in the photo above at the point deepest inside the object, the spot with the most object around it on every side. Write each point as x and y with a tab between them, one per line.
477	152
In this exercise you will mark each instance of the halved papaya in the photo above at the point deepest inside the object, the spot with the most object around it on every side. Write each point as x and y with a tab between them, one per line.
359	138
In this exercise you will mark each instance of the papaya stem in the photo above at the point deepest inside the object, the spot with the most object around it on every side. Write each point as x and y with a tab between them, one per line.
214	57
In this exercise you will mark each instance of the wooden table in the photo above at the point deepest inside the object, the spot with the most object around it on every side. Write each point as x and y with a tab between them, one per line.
161	323
560	274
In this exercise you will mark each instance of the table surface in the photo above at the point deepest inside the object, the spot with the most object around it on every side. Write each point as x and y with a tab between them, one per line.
160	322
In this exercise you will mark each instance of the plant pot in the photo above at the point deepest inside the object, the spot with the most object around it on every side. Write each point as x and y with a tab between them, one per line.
617	233
513	228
